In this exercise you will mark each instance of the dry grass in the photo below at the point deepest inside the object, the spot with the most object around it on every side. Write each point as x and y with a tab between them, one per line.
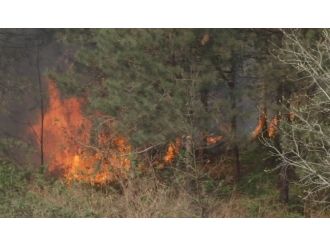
141	197
173	194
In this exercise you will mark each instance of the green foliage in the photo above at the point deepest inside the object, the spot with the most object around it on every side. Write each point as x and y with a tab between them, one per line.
149	80
160	84
10	177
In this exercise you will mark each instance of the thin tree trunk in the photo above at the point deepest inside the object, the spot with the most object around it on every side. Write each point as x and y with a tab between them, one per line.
283	174
237	163
283	177
232	85
264	107
205	99
41	98
284	185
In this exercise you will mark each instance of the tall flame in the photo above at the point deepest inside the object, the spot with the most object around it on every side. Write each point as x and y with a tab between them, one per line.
67	148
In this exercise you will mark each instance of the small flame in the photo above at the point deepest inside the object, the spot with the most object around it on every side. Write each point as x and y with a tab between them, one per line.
210	140
262	123
273	127
173	150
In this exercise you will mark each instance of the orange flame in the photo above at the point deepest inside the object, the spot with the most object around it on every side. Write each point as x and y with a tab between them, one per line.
210	140
66	143
173	150
262	123
273	126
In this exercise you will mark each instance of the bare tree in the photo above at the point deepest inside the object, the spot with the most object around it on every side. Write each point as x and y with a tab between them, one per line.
305	133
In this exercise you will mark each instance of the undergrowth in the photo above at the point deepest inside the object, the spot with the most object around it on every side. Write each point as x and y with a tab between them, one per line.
167	193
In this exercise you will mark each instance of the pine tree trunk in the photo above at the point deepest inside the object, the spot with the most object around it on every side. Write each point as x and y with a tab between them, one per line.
233	87
264	106
189	150
237	163
284	185
283	175
41	108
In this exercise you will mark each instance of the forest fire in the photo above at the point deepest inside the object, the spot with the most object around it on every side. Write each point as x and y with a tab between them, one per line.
66	143
273	127
262	124
269	129
173	150
213	139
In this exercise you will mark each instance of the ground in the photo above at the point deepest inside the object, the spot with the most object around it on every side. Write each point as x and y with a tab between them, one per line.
32	194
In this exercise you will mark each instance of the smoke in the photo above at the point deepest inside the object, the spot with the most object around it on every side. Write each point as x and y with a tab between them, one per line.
19	88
